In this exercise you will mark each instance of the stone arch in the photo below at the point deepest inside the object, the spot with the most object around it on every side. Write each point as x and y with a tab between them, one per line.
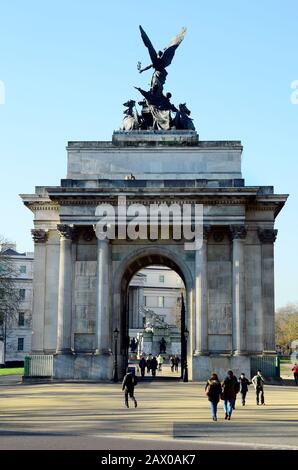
130	265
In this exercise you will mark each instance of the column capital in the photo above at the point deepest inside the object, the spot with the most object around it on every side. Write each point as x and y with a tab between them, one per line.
267	235
206	231
39	235
238	232
66	231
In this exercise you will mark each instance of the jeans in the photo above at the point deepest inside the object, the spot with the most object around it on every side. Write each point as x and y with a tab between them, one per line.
213	406
296	378
228	406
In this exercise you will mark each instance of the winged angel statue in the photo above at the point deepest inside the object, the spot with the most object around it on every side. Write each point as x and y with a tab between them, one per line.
160	60
156	106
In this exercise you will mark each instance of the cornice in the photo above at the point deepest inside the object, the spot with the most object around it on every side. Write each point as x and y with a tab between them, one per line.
43	206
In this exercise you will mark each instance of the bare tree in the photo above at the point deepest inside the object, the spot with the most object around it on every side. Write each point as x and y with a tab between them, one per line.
9	295
286	326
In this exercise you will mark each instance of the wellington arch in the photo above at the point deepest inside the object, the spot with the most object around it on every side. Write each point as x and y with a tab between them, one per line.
81	277
80	281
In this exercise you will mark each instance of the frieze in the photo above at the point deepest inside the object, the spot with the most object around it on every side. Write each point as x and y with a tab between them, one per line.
148	201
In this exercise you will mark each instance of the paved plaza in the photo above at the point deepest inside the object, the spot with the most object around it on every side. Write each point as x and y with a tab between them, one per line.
170	415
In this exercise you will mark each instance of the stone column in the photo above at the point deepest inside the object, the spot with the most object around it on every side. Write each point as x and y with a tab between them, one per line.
201	297
102	332
39	283
51	294
65	289
238	234
267	238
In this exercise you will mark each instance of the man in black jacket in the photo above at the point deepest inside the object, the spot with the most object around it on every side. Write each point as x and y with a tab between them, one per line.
128	385
244	383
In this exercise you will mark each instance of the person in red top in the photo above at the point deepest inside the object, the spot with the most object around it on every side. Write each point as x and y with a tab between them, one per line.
295	372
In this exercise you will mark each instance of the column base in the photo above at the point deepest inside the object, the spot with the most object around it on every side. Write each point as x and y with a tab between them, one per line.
239	353
269	353
83	366
204	366
64	351
103	352
201	353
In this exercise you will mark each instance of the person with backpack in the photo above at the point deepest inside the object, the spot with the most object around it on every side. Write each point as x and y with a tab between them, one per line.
230	388
128	386
213	392
244	383
258	382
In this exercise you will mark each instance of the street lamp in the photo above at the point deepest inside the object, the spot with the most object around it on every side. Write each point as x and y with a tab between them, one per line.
185	371
116	334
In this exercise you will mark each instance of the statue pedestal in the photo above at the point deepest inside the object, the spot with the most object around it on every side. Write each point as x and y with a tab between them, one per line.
143	137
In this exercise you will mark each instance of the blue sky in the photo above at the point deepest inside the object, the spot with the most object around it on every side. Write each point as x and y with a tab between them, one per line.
68	66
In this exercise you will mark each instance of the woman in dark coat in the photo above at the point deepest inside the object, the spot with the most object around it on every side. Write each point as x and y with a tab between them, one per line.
230	388
213	391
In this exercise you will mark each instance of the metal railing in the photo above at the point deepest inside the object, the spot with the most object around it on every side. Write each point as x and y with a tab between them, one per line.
269	365
38	365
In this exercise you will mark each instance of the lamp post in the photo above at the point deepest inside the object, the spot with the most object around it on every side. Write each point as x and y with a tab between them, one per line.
116	334
185	370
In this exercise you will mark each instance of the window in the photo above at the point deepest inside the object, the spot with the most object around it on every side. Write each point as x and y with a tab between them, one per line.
23	269
20	344
21	319
22	293
161	278
161	301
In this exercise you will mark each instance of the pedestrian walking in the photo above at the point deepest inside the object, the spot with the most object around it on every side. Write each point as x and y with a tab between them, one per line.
148	363
258	382
213	391
244	383
153	366
128	385
160	362
230	388
295	372
176	363
142	366
172	363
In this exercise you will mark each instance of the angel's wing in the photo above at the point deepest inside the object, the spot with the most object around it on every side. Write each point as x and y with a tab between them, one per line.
169	51
148	44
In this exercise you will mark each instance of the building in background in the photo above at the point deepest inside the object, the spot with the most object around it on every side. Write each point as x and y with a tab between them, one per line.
154	311
157	288
16	331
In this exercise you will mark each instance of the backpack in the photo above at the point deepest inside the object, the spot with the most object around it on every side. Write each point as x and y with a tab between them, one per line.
211	387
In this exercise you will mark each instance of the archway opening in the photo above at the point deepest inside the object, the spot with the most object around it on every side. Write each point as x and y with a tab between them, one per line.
154	316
